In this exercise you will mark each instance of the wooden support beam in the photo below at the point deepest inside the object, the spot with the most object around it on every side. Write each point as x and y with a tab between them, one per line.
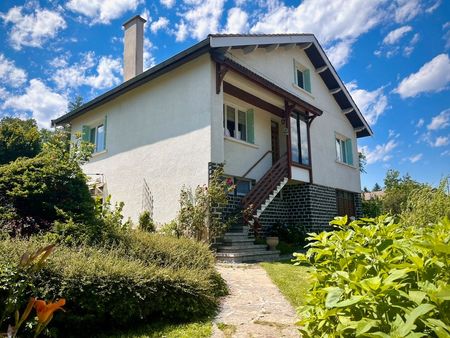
249	49
268	85
347	111
232	90
304	46
335	90
289	46
321	69
271	48
221	70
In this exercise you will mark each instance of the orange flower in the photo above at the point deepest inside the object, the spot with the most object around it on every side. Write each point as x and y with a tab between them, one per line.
45	311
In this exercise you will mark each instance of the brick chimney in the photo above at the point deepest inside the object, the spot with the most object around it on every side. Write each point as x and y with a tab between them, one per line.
133	49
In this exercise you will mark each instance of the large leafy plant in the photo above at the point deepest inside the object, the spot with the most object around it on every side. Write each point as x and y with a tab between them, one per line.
375	278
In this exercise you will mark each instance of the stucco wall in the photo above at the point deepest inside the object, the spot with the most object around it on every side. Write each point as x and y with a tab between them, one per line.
278	66
159	132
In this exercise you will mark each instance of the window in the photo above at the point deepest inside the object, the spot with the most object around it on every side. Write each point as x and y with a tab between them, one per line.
345	203
299	139
302	77
242	187
96	135
238	123
344	150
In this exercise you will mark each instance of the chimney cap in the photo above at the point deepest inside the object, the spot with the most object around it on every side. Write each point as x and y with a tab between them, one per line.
136	17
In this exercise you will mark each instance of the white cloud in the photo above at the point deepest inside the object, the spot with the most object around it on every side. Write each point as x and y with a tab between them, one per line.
149	59
168	3
433	76
440	121
107	73
339	53
410	48
371	103
33	29
440	141
237	21
337	32
10	74
420	123
415	158
41	101
433	7
395	35
381	153
161	23
101	11
446	36
406	10
181	31
201	18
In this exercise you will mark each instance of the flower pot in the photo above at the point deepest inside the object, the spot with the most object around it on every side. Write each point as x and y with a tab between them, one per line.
272	242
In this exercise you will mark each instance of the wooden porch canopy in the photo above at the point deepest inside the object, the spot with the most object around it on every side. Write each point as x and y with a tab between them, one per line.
292	102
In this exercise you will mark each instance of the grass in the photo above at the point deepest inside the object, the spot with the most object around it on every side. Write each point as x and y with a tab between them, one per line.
293	281
201	329
228	329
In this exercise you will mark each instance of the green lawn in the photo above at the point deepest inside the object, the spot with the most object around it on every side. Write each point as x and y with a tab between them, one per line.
293	281
164	330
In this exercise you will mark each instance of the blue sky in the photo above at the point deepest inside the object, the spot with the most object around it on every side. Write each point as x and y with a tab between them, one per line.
392	55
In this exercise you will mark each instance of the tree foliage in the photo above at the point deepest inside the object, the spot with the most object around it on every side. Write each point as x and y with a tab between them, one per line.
37	191
397	190
427	204
18	138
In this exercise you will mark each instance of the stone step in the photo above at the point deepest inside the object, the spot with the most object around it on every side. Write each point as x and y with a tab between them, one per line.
234	240
242	248
261	256
236	235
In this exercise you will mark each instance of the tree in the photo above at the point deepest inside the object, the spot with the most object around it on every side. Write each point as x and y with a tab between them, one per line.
18	138
397	190
376	187
362	162
50	186
365	189
75	104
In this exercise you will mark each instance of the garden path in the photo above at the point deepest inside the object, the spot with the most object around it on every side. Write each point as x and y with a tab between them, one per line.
255	307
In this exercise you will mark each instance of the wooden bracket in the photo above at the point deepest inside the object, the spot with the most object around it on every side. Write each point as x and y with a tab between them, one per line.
289	107
221	70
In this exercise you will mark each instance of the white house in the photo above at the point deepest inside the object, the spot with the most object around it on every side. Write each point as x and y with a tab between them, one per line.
271	107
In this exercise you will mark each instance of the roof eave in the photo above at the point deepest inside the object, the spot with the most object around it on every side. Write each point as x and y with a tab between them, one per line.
156	71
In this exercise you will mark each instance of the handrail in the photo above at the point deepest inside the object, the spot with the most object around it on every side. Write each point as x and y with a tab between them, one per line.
257	162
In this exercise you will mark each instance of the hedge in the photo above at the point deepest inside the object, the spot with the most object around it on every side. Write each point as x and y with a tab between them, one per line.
120	287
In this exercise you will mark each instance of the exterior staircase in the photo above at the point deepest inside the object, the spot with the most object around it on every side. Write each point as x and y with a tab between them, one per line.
237	245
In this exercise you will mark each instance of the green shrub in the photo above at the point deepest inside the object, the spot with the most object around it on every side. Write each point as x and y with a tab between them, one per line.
427	205
372	207
105	288
375	278
171	229
146	222
37	191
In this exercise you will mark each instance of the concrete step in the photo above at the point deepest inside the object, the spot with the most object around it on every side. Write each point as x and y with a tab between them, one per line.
261	256
242	247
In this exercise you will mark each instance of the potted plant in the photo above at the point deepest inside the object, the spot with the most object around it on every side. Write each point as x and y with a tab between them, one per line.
272	239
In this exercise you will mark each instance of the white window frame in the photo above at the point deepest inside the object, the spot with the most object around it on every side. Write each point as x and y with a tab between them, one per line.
342	156
95	127
236	121
299	67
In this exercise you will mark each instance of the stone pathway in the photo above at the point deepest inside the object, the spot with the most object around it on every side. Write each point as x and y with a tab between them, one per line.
255	307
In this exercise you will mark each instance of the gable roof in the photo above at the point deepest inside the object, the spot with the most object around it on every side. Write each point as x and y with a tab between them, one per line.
221	42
